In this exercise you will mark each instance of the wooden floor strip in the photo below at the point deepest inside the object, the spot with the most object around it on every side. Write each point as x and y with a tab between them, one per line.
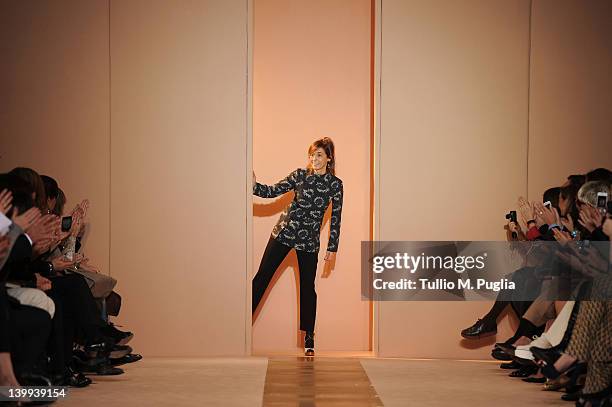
305	382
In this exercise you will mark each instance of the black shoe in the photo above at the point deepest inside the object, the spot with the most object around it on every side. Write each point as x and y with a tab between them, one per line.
120	337
101	348
309	344
120	351
131	358
108	370
572	396
534	379
101	369
523	362
73	378
506	348
481	329
32	379
524	371
500	355
97	365
512	365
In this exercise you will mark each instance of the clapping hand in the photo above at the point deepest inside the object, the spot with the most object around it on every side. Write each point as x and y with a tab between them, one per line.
61	263
43	228
42	283
526	210
590	217
6	200
27	219
547	215
562	237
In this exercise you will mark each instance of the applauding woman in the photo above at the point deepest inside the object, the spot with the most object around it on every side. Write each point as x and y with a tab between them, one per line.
299	228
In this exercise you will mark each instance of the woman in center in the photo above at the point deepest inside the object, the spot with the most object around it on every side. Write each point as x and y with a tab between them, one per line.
299	227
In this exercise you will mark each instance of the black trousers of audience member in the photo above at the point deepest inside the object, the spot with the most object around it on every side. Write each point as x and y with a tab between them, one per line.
273	256
79	312
29	330
61	339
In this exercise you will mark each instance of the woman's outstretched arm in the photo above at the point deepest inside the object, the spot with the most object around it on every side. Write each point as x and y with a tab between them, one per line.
336	217
271	191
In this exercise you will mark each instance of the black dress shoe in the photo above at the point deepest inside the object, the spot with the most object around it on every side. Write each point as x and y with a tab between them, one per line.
572	396
103	369
101	348
506	348
500	355
32	379
71	378
97	366
524	371
523	362
131	358
512	365
120	351
481	329
534	379
120	337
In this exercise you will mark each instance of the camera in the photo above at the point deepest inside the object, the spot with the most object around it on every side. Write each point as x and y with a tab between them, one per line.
66	223
511	216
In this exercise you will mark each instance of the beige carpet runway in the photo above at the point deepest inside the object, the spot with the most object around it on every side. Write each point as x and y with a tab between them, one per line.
332	380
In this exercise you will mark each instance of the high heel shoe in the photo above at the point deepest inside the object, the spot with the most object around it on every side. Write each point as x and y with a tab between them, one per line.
547	359
571	380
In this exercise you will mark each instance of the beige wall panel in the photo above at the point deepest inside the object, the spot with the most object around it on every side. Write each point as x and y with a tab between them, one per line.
311	79
179	137
54	106
453	141
571	91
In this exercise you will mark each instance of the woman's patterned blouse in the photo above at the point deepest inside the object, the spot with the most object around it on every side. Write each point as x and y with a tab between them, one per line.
299	226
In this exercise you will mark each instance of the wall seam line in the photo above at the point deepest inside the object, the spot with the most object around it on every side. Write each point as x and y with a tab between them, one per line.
110	138
529	95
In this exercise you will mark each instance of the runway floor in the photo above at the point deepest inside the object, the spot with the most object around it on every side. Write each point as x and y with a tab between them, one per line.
332	380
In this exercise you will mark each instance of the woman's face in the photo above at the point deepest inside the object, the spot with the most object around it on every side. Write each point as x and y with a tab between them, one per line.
318	160
51	204
563	205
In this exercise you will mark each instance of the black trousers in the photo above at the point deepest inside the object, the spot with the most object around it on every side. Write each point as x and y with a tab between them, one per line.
79	312
29	330
273	256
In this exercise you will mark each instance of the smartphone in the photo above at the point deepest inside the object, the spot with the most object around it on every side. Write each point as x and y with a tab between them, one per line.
547	204
602	200
66	223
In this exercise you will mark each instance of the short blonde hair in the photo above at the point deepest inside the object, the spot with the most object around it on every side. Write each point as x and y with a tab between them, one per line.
588	192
